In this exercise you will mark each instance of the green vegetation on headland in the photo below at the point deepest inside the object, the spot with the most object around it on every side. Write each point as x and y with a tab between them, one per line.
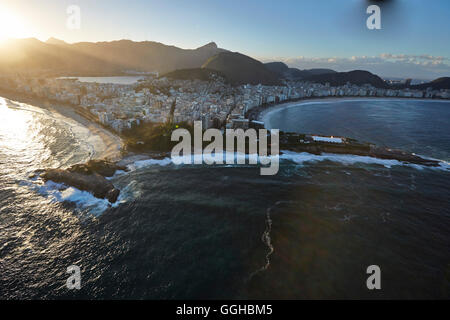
153	136
157	137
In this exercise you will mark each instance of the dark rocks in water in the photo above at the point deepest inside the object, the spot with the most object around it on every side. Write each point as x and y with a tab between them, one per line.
102	167
392	154
88	177
93	183
161	156
113	194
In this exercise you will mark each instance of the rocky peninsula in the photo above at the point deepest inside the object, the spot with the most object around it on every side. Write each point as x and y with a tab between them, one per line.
317	144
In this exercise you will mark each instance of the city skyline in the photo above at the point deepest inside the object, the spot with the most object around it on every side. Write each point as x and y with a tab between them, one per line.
303	34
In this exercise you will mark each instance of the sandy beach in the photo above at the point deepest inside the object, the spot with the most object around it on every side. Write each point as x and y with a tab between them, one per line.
266	114
111	144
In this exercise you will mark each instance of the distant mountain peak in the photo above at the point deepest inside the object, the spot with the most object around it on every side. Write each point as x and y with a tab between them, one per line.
357	77
55	41
57	57
284	72
241	69
211	45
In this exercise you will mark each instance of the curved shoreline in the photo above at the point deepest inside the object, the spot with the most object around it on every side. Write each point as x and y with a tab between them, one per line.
112	144
265	114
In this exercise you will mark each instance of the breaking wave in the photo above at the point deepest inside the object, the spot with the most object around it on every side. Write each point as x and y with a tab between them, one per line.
350	159
85	201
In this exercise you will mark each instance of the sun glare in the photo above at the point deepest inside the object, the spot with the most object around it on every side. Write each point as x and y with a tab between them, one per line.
11	25
14	127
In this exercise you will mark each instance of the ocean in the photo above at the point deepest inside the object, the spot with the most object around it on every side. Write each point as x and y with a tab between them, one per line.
224	231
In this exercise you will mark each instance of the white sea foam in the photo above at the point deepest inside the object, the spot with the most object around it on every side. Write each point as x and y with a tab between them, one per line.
300	158
92	142
131	191
84	200
118	173
192	159
148	162
347	159
350	159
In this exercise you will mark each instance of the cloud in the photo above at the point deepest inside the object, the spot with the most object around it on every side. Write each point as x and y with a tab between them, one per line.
403	57
422	66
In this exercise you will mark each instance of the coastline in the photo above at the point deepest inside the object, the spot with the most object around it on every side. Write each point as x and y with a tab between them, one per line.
265	114
112	143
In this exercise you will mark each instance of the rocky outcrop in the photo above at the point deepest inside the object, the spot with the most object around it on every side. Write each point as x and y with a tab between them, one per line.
103	168
393	154
88	177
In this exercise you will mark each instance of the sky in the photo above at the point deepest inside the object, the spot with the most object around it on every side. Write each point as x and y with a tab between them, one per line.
414	40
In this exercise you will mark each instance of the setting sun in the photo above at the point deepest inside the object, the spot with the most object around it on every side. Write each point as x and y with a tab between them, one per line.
11	25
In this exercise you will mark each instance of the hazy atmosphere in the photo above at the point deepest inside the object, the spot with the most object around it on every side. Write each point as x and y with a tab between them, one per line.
245	152
413	41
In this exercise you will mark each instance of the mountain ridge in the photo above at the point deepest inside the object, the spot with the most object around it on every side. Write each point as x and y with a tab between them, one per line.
241	69
55	57
357	77
288	73
436	84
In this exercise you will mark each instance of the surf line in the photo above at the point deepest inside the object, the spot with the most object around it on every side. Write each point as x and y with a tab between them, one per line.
213	153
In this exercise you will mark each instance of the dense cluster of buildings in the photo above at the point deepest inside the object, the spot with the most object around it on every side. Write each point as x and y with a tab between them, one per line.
214	102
